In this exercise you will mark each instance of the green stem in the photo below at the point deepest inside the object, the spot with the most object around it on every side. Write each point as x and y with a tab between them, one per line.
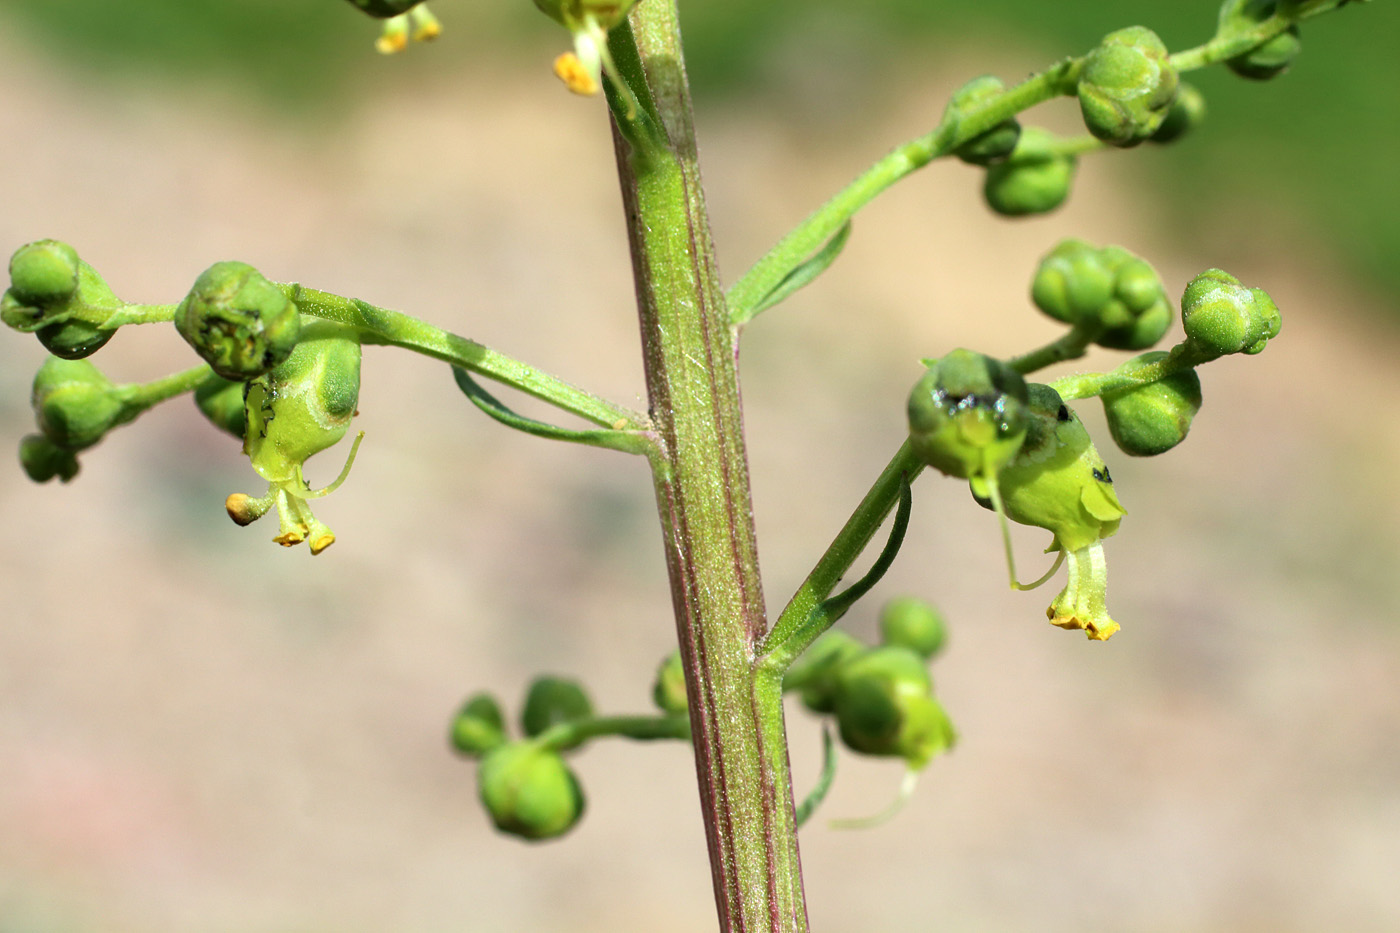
701	479
1135	372
800	624
396	329
809	236
143	395
1069	347
643	728
1235	43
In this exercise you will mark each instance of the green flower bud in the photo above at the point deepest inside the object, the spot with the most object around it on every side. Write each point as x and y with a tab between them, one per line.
814	674
884	706
222	403
478	727
1057	480
991	145
1221	316
1187	112
42	459
1139	312
238	322
552	700
1127	86
912	623
44	273
74	404
1033	180
1264	61
668	692
529	791
59	298
1072	282
384	9
1151	419
967	415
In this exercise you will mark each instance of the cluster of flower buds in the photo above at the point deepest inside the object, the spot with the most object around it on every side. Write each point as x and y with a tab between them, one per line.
525	785
288	390
1127	86
880	696
1107	292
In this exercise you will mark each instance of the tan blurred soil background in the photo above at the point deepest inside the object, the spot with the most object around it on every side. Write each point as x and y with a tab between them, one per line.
201	732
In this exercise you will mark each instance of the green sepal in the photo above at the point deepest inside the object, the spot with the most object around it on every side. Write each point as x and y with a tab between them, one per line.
1127	86
529	791
552	700
913	623
479	726
1151	419
1034	179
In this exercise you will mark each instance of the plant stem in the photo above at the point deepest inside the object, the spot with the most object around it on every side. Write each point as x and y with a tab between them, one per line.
702	489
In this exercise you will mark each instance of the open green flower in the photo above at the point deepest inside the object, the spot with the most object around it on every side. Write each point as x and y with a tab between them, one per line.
588	21
1058	481
297	410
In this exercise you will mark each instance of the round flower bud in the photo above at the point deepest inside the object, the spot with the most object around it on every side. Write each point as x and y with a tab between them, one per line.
552	700
1187	112
1263	61
1127	86
478	727
1222	316
1139	312
991	145
44	273
967	415
238	322
1033	179
74	404
221	402
1072	282
912	623
59	298
668	693
529	791
1151	419
43	460
813	675
884	706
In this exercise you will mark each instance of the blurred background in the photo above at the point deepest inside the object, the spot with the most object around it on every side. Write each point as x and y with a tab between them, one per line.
200	731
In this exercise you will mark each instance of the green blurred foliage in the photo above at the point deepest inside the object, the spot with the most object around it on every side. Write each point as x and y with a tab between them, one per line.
1321	138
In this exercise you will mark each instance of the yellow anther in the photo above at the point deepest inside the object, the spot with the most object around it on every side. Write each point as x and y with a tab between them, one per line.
244	509
575	76
322	541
